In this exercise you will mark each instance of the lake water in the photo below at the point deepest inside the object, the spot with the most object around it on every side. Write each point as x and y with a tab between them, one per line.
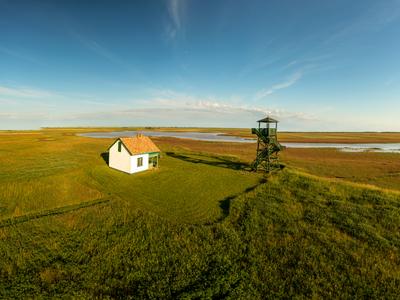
219	137
200	136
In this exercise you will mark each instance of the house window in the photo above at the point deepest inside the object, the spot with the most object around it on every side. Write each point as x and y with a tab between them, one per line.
140	161
119	146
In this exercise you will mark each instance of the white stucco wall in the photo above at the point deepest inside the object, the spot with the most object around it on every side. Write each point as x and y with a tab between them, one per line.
120	160
145	166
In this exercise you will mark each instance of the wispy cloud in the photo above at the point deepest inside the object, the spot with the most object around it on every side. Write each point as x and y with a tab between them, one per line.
392	80
95	47
258	65
374	18
98	49
18	54
24	92
279	86
176	10
389	82
23	116
7	101
307	62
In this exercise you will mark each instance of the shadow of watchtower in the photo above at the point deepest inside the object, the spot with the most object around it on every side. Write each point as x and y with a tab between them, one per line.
216	161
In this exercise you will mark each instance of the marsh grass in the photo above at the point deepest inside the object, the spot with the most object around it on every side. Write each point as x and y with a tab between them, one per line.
379	169
199	227
293	236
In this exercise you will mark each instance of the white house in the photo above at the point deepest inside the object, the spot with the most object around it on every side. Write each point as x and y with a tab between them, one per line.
133	154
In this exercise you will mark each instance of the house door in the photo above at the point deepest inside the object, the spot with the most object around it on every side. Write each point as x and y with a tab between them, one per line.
153	162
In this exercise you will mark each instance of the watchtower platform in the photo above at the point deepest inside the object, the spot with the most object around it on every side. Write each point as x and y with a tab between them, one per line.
268	146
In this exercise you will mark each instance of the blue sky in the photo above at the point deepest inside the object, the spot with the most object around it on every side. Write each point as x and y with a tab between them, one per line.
314	65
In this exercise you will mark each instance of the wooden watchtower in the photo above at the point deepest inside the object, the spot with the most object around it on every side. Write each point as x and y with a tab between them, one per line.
268	146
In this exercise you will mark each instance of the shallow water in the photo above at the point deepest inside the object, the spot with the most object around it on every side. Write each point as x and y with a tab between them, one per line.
376	147
219	137
200	136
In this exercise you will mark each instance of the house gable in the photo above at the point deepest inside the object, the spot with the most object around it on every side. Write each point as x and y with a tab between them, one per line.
120	160
122	143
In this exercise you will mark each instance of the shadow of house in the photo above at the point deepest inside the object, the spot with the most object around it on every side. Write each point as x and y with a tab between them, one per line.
105	156
215	161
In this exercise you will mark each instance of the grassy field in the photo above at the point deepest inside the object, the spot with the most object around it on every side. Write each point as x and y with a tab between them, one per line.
55	169
379	169
201	226
180	191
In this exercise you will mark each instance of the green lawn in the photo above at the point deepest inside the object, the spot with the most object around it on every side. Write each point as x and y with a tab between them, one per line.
180	190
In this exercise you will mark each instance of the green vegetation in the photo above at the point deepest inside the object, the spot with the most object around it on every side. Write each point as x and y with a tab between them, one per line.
67	170
199	227
291	236
379	169
187	188
41	171
372	168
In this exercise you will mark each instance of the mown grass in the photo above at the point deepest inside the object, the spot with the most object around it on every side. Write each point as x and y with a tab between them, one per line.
179	190
199	227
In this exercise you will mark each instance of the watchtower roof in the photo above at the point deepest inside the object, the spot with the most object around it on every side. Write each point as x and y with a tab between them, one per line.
268	120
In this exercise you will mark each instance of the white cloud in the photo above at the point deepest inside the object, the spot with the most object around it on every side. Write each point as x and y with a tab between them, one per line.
279	86
161	108
212	106
199	114
171	108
